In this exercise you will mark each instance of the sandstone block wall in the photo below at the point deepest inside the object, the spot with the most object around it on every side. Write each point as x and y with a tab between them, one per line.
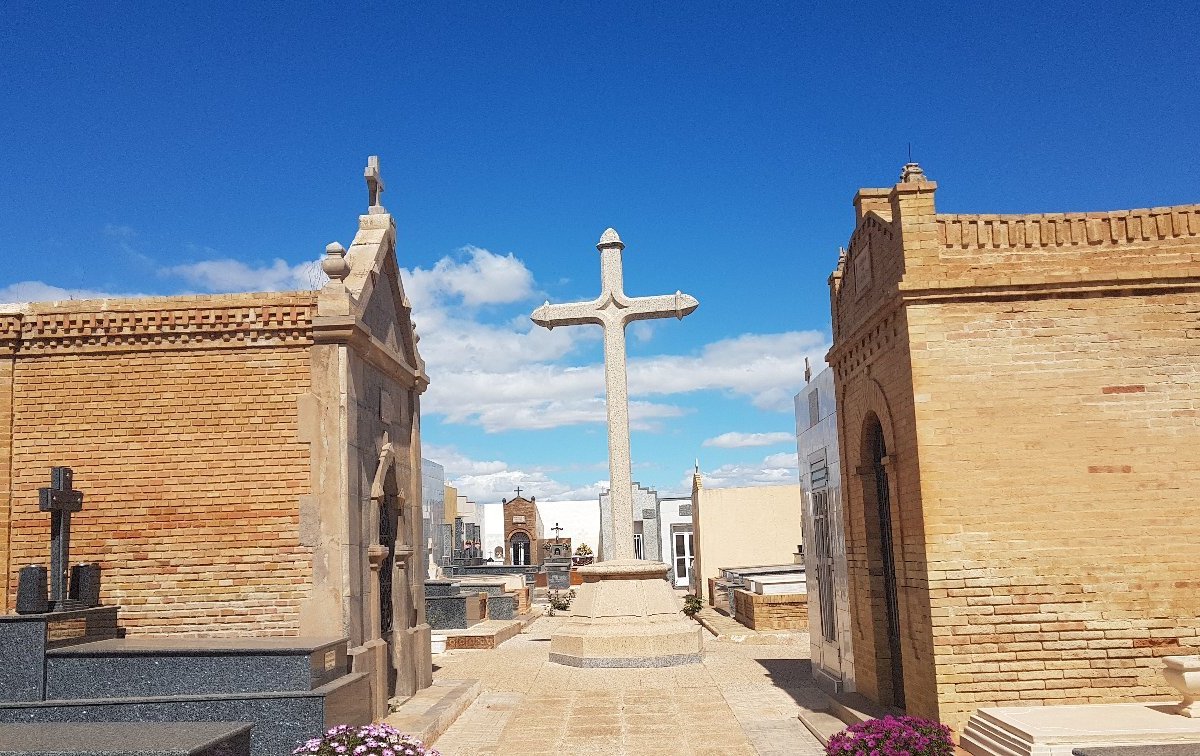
187	455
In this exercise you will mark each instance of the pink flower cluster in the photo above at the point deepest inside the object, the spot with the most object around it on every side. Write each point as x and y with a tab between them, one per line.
892	736
368	740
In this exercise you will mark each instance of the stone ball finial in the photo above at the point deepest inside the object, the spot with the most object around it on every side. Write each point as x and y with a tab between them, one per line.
334	264
912	172
610	239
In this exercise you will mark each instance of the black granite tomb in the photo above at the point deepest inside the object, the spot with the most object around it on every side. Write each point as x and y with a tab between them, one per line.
502	606
445	605
126	739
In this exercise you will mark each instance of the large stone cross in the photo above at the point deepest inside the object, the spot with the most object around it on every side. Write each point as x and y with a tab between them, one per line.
613	310
60	500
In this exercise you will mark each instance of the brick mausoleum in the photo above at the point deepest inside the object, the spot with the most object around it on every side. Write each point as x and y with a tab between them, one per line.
250	463
1019	422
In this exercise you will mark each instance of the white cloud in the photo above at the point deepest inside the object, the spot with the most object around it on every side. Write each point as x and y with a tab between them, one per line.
482	279
229	275
736	440
767	368
38	291
774	470
782	460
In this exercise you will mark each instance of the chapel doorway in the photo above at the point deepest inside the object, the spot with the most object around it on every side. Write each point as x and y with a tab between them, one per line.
882	557
519	549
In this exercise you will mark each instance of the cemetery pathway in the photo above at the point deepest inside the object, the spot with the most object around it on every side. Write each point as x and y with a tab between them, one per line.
744	699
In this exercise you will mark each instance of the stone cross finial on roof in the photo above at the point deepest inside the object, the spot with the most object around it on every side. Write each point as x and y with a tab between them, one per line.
375	186
912	172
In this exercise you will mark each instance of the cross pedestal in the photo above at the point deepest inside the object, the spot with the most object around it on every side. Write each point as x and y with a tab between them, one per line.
626	615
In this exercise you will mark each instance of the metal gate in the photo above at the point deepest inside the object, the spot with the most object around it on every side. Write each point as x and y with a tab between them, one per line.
387	537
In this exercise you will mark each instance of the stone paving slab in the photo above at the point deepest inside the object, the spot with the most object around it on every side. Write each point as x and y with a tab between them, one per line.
744	699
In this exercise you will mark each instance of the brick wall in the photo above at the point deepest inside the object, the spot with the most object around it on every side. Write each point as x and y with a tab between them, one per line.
779	612
190	468
1038	377
1058	573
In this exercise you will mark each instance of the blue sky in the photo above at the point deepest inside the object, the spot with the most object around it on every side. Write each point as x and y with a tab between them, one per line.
219	147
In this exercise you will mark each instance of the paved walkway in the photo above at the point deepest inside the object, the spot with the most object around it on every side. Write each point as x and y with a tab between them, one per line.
744	699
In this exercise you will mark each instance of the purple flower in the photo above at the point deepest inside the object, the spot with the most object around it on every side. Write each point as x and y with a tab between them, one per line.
892	736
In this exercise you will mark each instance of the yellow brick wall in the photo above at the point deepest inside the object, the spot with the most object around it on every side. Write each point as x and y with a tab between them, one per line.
191	472
1059	444
778	612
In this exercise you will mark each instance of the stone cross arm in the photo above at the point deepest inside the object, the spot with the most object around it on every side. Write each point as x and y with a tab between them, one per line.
616	307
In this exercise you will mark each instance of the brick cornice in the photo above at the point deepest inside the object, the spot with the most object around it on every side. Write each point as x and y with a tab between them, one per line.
189	325
1115	228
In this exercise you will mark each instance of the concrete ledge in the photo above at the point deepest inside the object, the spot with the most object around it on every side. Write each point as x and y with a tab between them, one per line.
592	662
431	711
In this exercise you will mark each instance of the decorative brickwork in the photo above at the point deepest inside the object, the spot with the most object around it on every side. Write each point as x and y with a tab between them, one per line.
1034	383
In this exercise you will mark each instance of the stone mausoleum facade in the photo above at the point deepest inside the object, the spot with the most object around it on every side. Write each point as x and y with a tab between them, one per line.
250	462
1019	424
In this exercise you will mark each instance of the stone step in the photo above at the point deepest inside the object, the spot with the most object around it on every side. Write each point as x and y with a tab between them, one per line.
126	739
282	720
431	711
148	666
822	724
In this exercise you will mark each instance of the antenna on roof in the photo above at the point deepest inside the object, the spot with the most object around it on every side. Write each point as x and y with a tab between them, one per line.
910	152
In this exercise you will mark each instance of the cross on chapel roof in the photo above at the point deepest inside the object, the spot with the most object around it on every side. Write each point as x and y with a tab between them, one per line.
375	186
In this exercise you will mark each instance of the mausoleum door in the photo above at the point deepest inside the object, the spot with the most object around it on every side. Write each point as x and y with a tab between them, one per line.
520	549
881	554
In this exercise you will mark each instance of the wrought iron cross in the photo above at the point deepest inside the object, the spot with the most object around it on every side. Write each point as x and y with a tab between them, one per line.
60	500
613	310
558	529
374	184
518	490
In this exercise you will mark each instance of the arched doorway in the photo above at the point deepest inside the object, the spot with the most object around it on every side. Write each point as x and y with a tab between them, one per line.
881	556
519	549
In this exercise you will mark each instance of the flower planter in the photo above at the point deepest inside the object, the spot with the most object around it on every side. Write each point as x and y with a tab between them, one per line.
1183	673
